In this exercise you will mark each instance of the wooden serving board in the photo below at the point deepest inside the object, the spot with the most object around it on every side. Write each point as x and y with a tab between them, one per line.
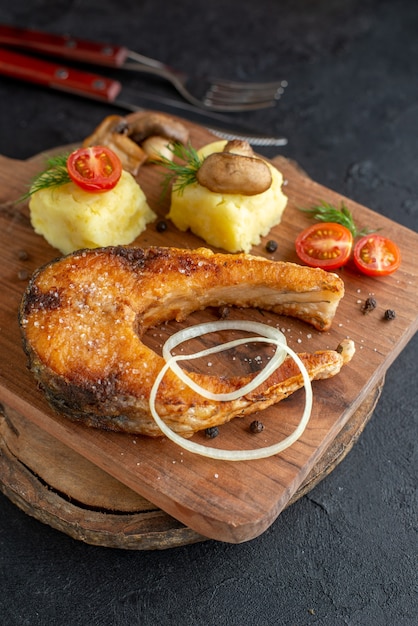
227	501
54	484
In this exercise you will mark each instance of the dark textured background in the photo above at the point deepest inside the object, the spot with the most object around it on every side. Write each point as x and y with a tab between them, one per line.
346	553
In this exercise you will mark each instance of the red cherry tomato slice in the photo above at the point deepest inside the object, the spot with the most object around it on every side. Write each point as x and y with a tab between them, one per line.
95	168
326	245
375	255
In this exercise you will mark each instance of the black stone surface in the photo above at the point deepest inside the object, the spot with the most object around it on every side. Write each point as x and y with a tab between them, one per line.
347	552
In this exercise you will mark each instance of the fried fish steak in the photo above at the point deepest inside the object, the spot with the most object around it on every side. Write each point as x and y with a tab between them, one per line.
83	317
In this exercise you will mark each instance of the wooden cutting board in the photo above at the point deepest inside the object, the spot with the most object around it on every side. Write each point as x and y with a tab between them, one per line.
231	502
54	484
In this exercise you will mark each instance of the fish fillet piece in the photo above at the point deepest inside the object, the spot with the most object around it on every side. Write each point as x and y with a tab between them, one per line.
83	317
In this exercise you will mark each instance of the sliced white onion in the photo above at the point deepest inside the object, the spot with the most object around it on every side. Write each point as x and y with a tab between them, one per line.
221	454
270	335
210	327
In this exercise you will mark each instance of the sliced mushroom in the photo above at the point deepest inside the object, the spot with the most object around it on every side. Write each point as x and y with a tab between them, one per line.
144	124
226	172
138	137
113	132
145	127
131	155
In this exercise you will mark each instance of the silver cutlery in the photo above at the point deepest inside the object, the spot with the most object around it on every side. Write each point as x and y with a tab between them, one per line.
97	87
215	94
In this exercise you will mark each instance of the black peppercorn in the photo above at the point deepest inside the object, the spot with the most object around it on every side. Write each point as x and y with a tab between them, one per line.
369	305
271	245
212	432
161	226
389	314
256	426
23	255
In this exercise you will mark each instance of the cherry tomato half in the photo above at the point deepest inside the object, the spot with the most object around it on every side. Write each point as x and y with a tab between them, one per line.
326	245
375	255
96	168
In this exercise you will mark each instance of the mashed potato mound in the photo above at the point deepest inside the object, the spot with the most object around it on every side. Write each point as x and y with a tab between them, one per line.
232	222
70	218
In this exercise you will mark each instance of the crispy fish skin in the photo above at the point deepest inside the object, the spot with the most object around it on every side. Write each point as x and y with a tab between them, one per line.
82	318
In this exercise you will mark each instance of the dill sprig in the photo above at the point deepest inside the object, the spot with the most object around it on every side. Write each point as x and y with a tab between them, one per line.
54	175
180	174
326	212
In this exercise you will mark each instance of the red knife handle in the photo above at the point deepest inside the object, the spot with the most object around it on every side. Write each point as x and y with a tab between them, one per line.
58	76
63	46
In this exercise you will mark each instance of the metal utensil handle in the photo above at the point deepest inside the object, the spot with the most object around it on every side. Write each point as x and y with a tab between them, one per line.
63	46
58	76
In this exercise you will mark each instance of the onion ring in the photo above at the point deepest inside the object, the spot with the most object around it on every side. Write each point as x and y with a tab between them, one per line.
269	335
216	453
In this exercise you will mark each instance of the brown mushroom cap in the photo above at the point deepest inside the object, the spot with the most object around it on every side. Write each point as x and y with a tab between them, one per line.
239	146
226	172
145	124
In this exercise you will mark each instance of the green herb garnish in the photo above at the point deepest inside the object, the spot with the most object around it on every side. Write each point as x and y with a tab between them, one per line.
326	212
180	174
55	174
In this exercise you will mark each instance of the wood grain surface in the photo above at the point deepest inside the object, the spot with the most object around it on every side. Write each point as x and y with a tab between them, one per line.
54	484
231	502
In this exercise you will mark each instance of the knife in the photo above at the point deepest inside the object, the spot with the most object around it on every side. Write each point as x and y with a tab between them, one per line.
110	91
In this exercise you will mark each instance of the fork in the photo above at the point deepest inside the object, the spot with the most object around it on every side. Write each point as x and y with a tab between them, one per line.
213	93
204	92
